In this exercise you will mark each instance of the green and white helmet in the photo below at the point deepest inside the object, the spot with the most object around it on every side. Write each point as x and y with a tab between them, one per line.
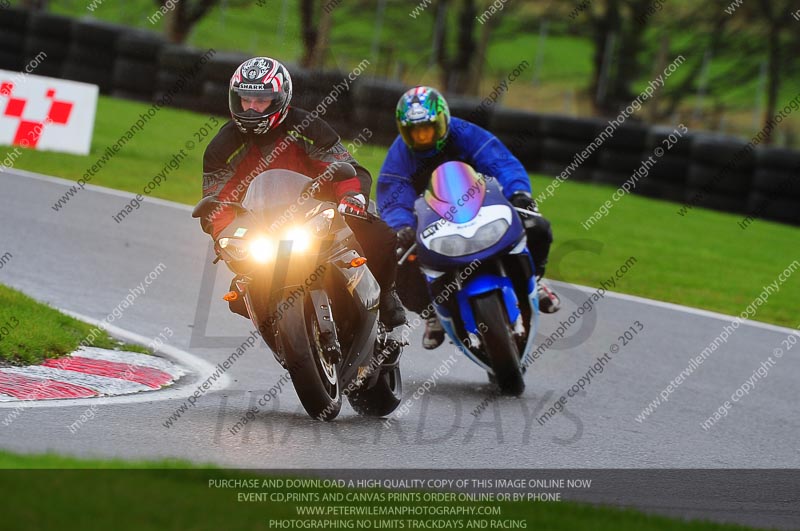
423	106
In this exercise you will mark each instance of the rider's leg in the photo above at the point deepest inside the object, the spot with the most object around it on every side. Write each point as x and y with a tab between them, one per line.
540	237
414	294
378	242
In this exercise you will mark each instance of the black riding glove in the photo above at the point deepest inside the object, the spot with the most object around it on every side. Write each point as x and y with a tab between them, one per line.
525	201
405	238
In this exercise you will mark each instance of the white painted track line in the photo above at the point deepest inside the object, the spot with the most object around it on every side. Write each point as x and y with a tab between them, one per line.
199	368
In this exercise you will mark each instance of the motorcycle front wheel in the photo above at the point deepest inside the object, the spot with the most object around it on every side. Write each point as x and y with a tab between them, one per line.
498	342
315	379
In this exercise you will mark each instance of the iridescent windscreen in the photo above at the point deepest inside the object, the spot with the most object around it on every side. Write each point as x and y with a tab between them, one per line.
456	192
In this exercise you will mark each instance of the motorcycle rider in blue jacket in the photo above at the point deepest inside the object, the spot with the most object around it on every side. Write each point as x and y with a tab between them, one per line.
428	138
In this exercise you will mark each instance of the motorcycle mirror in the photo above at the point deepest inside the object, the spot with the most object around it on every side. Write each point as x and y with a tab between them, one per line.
336	172
340	171
208	204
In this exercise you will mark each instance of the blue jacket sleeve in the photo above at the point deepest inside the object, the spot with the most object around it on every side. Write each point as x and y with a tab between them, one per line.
489	156
395	191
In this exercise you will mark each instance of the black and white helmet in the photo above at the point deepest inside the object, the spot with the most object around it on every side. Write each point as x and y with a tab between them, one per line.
260	78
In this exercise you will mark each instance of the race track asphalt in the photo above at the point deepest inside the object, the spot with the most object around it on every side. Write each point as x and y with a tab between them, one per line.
80	259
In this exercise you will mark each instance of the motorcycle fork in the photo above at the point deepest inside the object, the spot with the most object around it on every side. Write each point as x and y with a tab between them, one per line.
497	267
329	339
518	327
521	273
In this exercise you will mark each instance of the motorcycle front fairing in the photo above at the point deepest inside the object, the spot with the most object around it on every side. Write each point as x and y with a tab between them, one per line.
495	210
504	265
277	215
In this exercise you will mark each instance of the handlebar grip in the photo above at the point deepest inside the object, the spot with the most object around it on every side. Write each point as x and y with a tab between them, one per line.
406	254
367	216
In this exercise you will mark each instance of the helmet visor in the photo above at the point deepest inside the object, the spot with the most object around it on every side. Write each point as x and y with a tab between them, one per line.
425	135
263	102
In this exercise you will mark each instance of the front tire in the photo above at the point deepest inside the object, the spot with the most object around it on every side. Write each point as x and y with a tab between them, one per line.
498	342
314	378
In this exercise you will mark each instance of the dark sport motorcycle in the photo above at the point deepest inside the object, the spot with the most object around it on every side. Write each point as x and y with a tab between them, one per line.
309	292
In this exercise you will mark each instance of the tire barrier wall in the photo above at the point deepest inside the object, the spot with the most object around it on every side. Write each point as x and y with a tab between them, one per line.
698	170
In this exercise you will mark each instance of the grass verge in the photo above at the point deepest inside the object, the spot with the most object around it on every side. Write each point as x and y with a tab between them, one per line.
31	331
703	259
156	495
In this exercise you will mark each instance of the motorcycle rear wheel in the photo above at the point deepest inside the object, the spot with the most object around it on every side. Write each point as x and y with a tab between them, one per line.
380	399
498	342
315	379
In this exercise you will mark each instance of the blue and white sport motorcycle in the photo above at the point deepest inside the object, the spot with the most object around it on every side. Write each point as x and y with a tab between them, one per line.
472	249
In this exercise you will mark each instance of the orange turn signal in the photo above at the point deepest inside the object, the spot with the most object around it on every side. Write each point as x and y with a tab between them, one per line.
356	262
231	296
411	257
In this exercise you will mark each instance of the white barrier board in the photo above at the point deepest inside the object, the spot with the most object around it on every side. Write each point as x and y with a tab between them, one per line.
45	113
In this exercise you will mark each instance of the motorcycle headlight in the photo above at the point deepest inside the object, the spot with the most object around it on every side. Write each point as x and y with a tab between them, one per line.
236	248
484	237
261	249
321	223
300	238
